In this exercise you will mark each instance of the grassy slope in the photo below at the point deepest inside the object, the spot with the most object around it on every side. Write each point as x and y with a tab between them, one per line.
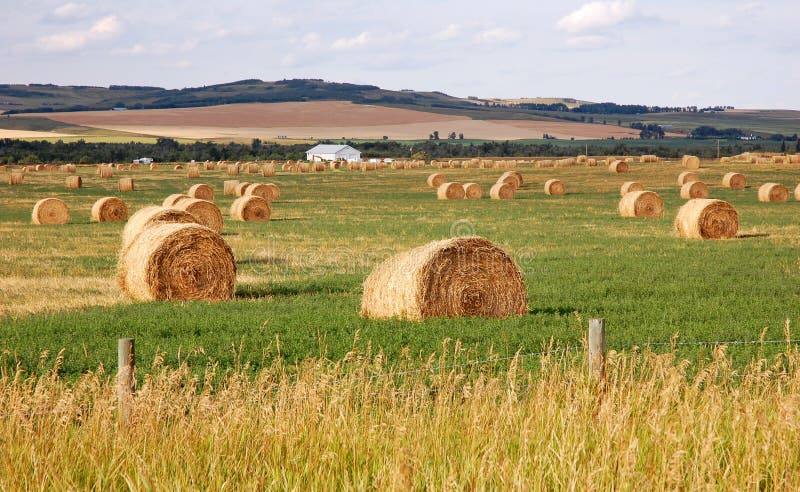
301	273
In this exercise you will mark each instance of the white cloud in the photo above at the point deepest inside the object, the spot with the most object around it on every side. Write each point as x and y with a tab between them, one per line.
498	35
589	42
747	7
289	60
310	41
183	64
598	15
105	28
157	49
350	43
450	32
71	11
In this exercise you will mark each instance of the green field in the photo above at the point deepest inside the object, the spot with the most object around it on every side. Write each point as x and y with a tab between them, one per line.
300	274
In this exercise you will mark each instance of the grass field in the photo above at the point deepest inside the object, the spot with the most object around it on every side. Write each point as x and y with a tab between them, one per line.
300	274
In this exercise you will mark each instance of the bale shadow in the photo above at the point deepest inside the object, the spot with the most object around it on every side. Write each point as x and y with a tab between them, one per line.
751	236
269	260
560	310
287	218
283	290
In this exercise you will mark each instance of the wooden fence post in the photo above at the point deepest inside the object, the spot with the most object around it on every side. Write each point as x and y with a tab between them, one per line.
597	346
126	382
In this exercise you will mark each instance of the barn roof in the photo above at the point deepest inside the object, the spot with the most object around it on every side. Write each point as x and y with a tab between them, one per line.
330	149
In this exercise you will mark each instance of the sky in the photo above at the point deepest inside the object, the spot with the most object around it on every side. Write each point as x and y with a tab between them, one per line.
672	53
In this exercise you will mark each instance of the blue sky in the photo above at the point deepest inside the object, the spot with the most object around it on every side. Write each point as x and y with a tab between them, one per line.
628	51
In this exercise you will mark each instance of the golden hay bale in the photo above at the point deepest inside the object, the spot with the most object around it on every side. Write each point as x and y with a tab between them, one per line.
39	167
703	218
776	159
773	192
797	192
691	162
590	162
267	191
686	177
794	159
501	191
125	184
209	166
4	168
252	168
229	187
251	208
554	187
16	178
68	168
458	277
178	167
305	167
268	170
545	163
178	262
134	167
105	172
202	191
335	165
50	211
193	173
648	158
694	189
450	191
233	170
319	167
581	159
149	216
629	160
171	200
618	167
153	167
241	188
205	212
734	181
645	204
516	175
472	191
436	180
629	186
73	182
510	180
109	209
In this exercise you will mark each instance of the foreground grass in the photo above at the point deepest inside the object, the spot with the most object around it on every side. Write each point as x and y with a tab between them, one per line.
441	423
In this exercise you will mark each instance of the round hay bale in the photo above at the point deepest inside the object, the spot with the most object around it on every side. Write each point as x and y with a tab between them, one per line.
69	168
105	172
134	167
178	167
149	216
16	178
171	200
50	211
436	180
205	212
229	187
40	167
202	191
707	219
694	189
109	209
153	167
178	262
268	170
646	204
629	186
773	192
209	166
450	191
458	277
691	162
233	170
73	182
734	181
618	167
686	177
250	208
241	188
510	180
305	167
319	167
125	185
252	168
554	187
501	191
472	191
267	191
193	172
515	175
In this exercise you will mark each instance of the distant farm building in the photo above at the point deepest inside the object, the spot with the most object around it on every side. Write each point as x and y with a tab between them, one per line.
333	153
143	160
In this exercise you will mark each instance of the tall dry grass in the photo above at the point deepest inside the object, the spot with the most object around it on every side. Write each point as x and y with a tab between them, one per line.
656	423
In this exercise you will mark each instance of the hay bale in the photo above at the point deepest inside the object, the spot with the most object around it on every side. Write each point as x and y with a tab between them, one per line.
229	187
202	191
648	158
618	167
591	162
319	167
73	182
125	185
707	219
436	180
241	188
734	181
209	166
268	170
134	167
193	173
16	178
797	192
629	186
773	192
178	262
252	168
233	170
153	167
513	174
646	204
472	191
50	211
178	167
150	216
171	200
691	162
251	208
105	172
267	191
554	187
450	191
686	177
694	189
501	191
205	212
458	277
109	209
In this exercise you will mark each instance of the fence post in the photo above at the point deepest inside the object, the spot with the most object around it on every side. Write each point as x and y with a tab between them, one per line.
597	346
126	365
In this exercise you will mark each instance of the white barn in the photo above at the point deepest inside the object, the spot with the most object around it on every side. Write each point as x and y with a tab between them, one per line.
333	153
